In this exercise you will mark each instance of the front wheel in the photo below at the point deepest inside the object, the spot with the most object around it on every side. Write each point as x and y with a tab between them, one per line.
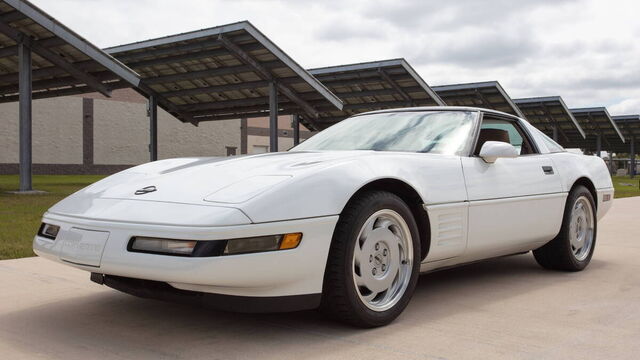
374	261
573	248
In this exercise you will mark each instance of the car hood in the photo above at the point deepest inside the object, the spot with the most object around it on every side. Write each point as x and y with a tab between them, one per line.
222	181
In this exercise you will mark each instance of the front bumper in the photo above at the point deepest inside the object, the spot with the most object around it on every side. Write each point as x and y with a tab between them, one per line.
298	271
157	290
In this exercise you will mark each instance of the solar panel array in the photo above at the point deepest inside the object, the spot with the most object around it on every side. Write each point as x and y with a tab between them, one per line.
488	94
224	73
551	116
63	63
597	123
374	86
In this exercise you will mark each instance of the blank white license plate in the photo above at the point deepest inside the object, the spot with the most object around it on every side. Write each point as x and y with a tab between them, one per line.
83	247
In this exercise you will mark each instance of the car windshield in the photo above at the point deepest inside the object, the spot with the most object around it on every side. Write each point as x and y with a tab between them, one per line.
440	132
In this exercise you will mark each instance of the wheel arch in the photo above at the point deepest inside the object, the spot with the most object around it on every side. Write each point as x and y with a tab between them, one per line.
411	197
586	182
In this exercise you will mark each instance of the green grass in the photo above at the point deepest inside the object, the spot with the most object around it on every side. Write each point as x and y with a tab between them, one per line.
20	215
625	186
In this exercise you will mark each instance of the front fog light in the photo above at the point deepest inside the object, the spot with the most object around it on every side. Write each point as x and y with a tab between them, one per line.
163	246
48	231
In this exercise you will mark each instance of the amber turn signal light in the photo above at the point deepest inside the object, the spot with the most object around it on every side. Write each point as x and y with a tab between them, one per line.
290	241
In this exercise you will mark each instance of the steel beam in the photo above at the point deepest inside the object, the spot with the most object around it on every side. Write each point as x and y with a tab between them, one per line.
127	57
266	75
357	77
556	124
48	42
240	107
62	82
226	70
25	113
217	88
11	16
235	116
295	124
186	57
273	117
395	86
598	145
53	71
598	128
153	128
54	58
363	80
121	84
166	104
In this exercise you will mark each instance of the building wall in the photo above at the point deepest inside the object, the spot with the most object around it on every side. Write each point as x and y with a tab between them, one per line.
56	131
209	138
120	133
94	134
258	134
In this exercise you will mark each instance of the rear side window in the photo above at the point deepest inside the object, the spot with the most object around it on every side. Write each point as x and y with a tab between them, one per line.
551	145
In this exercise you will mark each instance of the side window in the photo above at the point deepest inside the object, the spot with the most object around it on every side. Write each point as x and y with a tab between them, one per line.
505	131
551	145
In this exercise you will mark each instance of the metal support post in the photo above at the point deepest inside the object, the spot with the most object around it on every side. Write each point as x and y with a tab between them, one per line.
295	124
273	117
25	115
153	128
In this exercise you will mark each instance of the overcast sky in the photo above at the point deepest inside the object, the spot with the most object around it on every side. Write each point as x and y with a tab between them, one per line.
587	51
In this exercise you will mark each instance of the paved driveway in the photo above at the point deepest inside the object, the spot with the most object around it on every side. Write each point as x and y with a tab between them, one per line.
506	308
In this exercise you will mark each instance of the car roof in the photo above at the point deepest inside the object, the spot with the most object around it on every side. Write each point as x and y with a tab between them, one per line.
440	108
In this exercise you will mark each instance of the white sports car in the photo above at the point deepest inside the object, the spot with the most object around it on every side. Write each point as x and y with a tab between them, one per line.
345	221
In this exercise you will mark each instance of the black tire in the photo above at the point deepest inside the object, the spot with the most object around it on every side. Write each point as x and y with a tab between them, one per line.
340	298
558	254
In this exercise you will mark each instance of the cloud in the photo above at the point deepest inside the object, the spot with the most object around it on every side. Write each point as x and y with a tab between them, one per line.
625	107
444	15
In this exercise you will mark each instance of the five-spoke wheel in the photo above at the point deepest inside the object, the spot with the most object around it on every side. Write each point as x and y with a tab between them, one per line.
382	260
572	249
374	260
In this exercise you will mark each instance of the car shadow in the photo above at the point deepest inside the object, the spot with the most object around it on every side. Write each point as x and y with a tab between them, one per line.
118	325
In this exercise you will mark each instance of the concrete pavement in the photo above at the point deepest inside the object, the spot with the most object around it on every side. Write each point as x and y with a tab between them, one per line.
501	309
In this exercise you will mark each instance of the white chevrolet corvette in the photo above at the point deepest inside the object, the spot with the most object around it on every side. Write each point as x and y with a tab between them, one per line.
345	221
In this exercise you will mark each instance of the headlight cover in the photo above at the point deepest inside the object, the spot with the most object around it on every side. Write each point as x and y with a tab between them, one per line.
245	189
211	248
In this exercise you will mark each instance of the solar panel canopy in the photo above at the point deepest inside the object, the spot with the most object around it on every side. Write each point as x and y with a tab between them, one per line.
488	94
373	85
550	115
224	73
597	123
63	63
629	125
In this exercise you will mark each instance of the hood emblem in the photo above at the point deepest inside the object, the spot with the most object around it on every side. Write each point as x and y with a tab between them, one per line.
145	190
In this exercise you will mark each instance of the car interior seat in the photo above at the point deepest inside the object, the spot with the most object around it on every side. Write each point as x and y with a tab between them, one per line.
491	135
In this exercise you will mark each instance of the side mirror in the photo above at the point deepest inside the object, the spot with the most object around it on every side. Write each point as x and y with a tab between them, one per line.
492	150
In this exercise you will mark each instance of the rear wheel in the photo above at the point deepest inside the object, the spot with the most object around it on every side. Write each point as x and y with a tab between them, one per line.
374	261
573	248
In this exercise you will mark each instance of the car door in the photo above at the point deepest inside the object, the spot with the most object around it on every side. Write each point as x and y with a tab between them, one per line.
514	203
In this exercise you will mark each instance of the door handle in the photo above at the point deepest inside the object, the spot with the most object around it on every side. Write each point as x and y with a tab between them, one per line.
548	170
